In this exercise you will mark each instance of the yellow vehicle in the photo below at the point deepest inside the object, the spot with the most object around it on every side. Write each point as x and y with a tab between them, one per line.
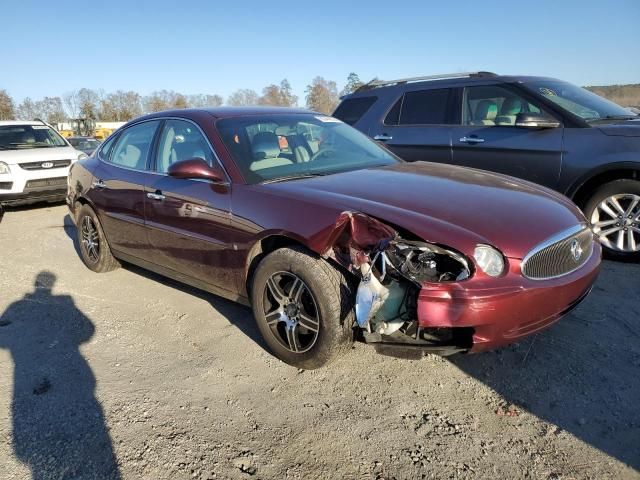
102	133
66	133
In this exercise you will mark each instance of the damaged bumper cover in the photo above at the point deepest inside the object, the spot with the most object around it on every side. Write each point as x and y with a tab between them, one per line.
504	310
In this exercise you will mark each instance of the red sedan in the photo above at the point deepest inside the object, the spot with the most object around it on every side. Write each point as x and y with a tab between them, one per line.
328	236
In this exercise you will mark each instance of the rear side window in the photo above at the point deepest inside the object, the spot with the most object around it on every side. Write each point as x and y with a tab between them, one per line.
106	147
425	107
133	145
352	109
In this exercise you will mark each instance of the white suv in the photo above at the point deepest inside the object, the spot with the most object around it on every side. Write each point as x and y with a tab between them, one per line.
34	162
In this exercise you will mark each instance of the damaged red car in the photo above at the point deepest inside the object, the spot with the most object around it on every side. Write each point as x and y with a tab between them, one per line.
329	237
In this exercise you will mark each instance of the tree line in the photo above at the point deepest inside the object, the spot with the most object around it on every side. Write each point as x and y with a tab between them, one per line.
122	105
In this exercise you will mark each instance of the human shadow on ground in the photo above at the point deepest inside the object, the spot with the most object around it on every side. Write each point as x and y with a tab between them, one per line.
59	428
580	375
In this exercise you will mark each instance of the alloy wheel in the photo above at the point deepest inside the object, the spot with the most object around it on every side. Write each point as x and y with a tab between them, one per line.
90	239
291	312
616	221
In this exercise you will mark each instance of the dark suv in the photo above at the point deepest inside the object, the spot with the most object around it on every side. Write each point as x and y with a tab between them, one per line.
540	129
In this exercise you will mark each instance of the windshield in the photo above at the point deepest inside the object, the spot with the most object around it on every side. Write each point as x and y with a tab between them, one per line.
282	147
579	101
14	137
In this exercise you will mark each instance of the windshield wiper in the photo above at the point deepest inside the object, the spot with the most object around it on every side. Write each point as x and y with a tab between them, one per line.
293	177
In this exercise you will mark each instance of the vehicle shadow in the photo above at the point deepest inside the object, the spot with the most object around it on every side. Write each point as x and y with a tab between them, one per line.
238	315
581	375
59	429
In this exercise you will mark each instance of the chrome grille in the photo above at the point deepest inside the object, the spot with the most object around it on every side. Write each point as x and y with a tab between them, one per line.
560	255
49	165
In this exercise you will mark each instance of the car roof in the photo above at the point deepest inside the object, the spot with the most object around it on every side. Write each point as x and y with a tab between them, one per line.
452	80
21	122
223	112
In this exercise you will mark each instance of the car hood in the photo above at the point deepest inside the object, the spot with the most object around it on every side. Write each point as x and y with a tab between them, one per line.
630	128
454	206
13	157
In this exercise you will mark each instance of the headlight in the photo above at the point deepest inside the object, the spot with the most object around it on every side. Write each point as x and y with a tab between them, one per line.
489	260
82	156
4	168
425	262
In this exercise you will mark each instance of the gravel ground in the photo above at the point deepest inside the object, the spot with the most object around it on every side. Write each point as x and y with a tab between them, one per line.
128	375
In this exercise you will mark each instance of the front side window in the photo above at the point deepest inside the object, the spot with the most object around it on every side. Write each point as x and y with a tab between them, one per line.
493	105
579	101
22	137
181	140
281	147
133	145
425	107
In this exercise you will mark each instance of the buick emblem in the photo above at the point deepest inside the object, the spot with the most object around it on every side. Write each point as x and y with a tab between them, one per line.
47	165
576	250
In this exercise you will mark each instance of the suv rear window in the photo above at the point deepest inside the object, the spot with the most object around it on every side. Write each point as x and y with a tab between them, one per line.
424	107
352	109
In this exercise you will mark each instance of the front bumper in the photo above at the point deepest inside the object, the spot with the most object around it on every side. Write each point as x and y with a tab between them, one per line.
23	186
504	310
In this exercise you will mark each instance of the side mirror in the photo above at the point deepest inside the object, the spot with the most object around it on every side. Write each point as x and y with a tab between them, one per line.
195	168
536	120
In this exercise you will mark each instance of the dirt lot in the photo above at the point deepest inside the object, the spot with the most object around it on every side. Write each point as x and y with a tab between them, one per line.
127	375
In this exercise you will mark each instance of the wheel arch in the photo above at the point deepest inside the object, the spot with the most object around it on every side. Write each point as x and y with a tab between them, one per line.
581	191
262	248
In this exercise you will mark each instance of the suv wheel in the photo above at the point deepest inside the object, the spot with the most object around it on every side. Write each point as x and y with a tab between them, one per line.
303	307
94	249
614	213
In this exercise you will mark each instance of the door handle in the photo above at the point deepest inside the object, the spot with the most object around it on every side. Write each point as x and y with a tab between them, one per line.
98	184
383	137
156	196
472	140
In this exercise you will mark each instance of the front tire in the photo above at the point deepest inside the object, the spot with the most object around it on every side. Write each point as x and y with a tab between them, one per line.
94	249
303	307
614	213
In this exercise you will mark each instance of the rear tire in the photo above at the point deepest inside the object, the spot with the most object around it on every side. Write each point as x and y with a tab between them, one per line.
94	248
303	307
614	213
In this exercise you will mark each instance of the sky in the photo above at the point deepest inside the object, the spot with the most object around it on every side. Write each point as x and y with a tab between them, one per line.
216	47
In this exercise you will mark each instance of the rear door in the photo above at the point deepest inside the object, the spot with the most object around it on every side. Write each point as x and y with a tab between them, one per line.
487	137
118	188
188	220
418	126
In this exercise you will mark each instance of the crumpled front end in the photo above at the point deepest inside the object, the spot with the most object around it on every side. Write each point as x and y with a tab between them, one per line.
416	297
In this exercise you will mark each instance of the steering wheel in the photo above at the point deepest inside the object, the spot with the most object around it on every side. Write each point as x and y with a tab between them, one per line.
322	153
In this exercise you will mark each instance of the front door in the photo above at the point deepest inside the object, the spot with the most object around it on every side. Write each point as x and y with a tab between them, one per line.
489	139
188	221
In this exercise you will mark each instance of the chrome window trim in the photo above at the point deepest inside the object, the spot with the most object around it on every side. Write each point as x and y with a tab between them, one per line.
153	172
121	130
558	237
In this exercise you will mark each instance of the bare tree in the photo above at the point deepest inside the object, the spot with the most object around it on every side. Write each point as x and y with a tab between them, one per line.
28	110
52	110
322	95
243	97
89	101
202	101
120	106
7	108
286	92
279	95
71	104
